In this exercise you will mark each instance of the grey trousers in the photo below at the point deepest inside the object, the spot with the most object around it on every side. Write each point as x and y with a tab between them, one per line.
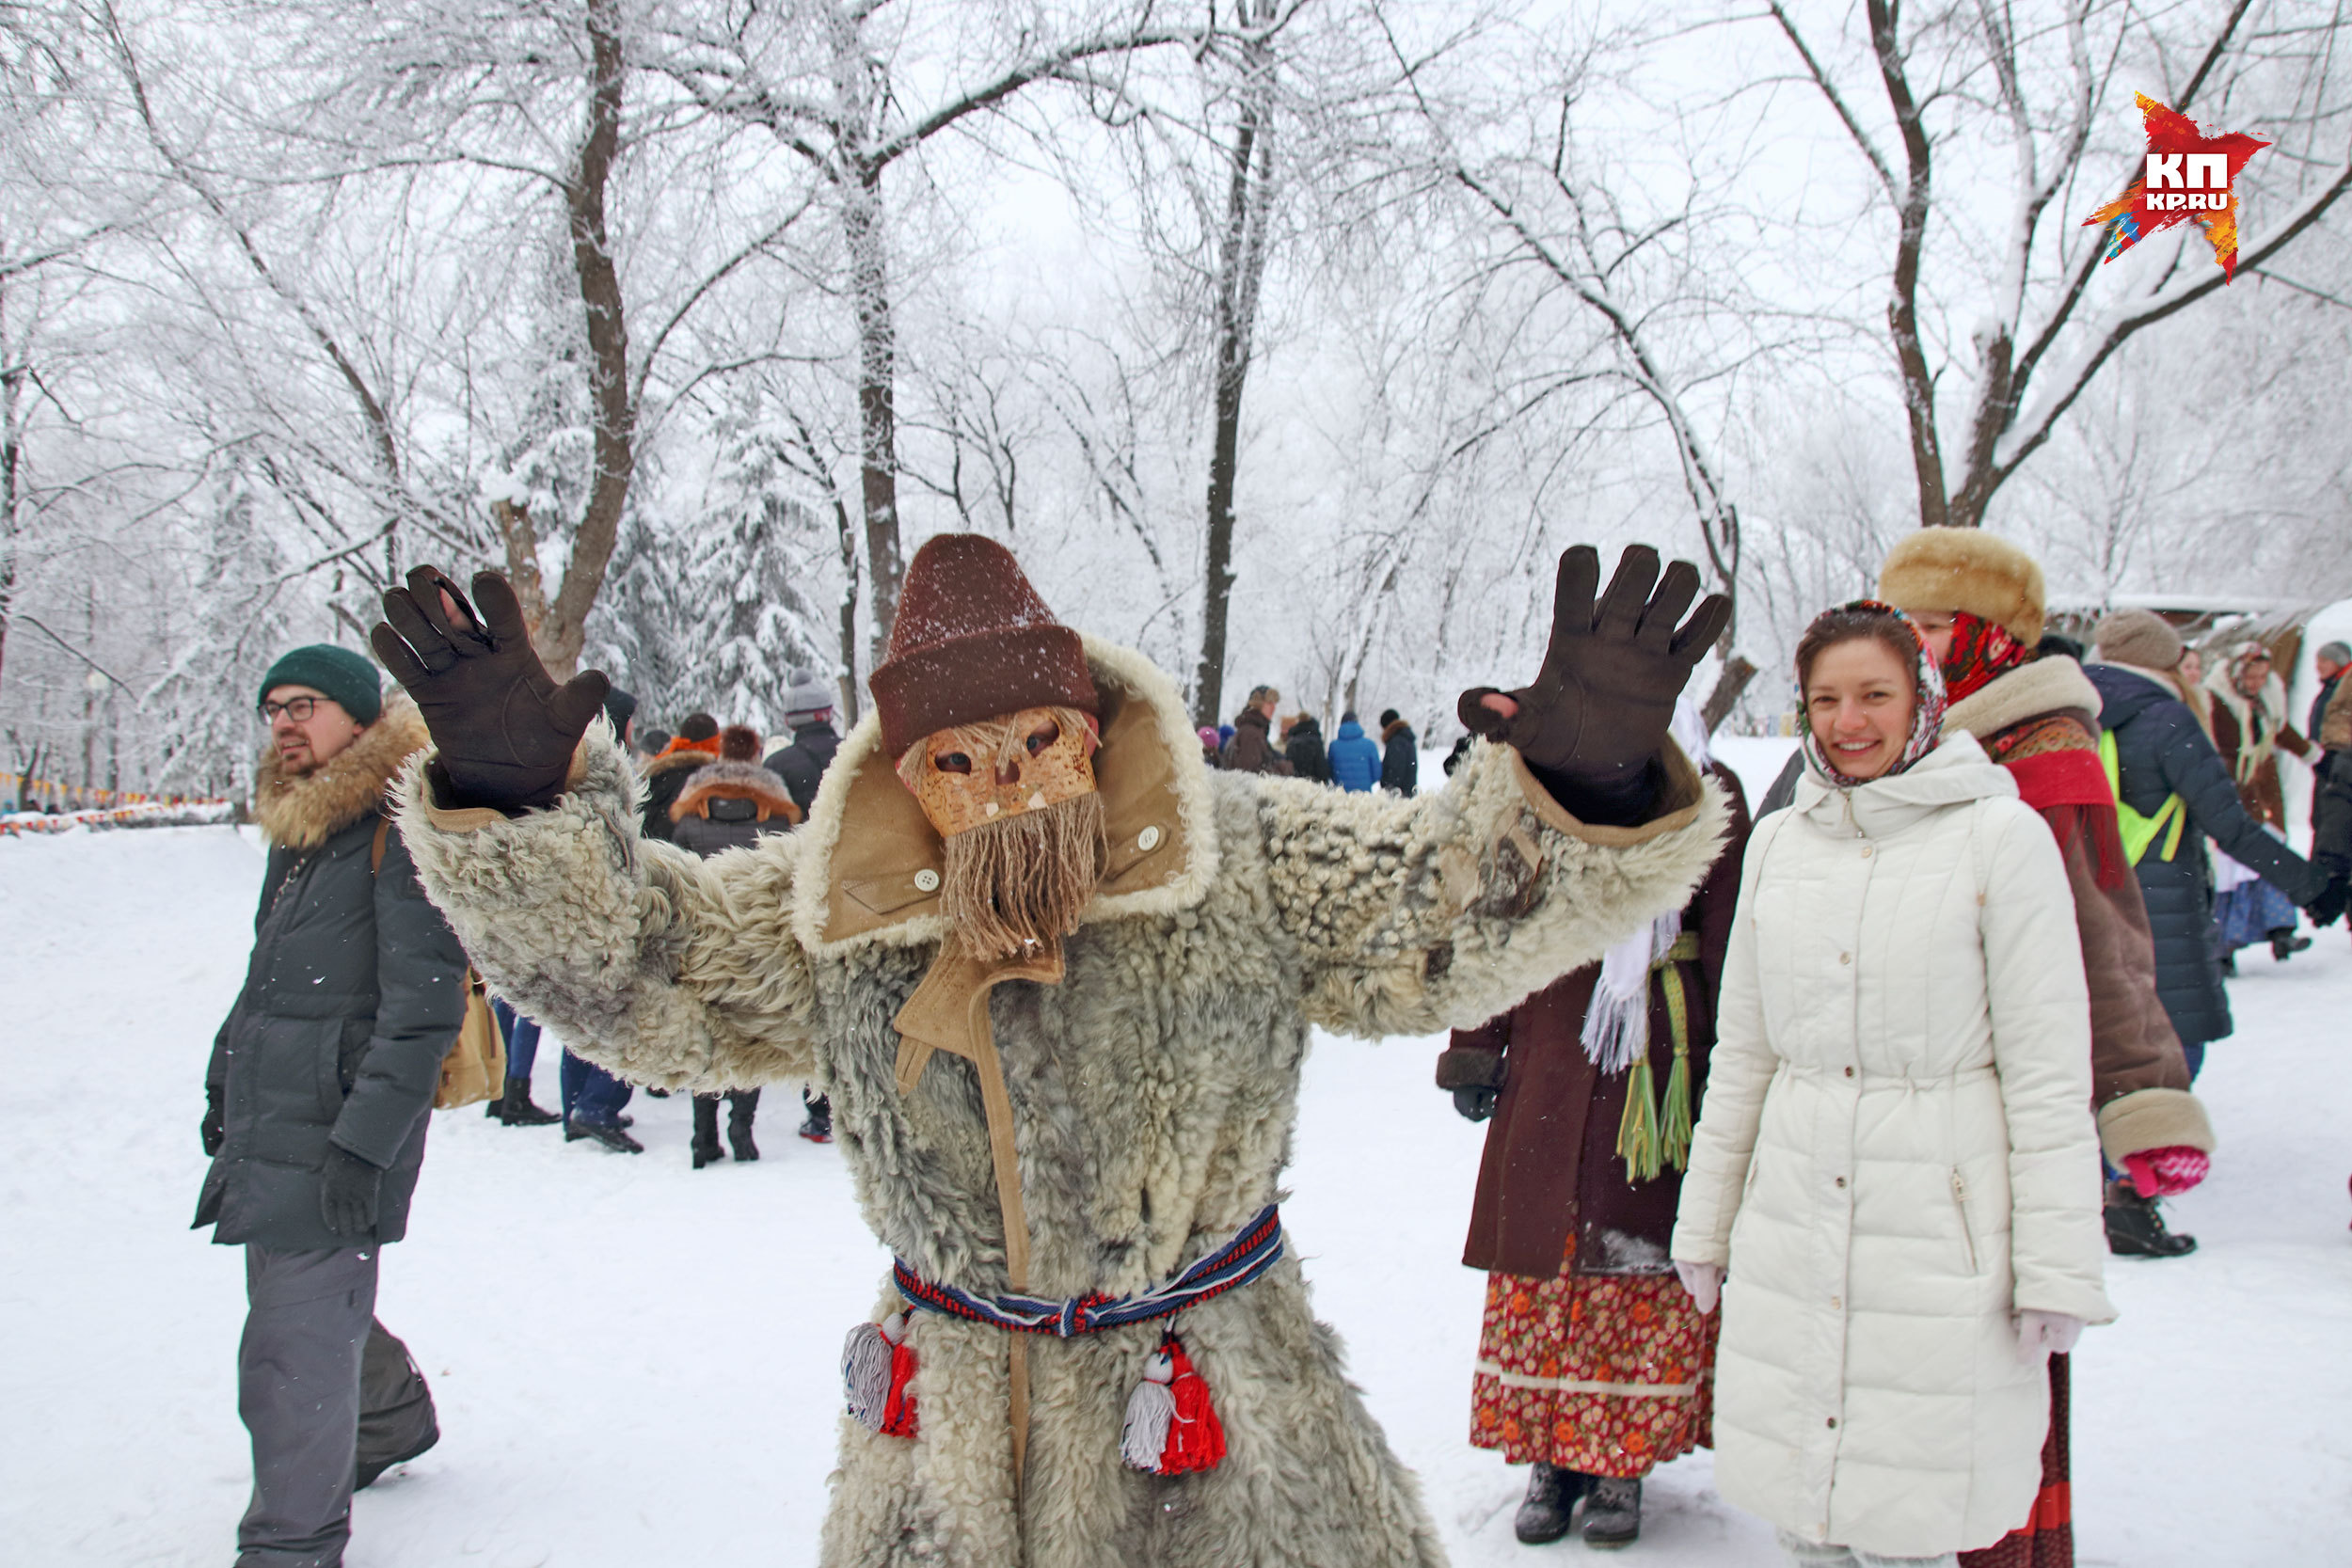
306	1325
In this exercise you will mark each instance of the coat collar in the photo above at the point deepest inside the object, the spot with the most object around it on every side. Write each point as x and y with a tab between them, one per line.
2053	684
870	863
1957	771
302	813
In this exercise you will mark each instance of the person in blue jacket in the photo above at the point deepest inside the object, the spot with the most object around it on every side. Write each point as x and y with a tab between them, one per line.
1355	756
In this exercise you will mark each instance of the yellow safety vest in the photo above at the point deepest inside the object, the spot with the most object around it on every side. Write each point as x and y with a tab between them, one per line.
2139	831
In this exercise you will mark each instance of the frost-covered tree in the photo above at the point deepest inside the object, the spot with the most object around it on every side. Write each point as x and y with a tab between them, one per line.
234	625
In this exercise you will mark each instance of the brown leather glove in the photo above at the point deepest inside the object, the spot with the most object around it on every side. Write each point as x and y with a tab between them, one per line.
504	730
1597	713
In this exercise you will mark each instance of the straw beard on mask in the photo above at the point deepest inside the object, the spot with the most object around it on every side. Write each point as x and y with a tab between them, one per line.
1020	823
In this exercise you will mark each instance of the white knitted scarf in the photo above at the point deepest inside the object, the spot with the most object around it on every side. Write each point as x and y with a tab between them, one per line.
1616	1025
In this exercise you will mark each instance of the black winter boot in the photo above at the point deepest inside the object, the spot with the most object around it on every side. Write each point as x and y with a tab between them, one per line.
613	1138
515	1108
1613	1512
2285	943
2136	1229
1551	1494
705	1146
740	1108
817	1126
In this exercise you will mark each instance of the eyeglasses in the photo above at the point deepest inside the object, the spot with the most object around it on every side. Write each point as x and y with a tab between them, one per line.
296	708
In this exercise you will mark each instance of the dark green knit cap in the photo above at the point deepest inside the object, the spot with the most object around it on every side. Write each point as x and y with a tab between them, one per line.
346	677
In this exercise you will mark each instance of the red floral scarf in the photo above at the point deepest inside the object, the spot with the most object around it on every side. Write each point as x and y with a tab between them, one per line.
1980	651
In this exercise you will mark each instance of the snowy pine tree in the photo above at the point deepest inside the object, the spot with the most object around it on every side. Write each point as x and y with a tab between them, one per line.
756	582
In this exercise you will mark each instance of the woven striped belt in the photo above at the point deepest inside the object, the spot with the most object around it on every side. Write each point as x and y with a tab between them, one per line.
1253	1249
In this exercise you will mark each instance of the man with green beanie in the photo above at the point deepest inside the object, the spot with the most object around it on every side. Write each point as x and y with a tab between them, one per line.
316	1100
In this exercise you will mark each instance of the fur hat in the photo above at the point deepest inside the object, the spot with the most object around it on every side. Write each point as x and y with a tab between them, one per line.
349	678
1966	569
972	641
2140	636
739	743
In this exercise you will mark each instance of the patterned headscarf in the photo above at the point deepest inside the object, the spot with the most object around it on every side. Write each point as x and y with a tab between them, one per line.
1981	651
1927	715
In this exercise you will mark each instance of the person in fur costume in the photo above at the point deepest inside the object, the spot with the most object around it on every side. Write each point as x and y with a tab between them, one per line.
730	804
1594	1364
1058	980
2250	729
317	1099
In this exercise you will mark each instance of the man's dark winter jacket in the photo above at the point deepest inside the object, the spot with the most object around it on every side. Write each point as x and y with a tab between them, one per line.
1400	760
1355	758
2160	751
801	764
1304	750
353	996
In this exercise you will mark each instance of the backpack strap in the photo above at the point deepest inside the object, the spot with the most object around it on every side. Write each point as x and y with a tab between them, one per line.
375	844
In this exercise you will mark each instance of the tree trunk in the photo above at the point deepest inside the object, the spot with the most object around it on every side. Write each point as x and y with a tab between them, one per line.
876	416
565	627
1738	672
522	563
1241	266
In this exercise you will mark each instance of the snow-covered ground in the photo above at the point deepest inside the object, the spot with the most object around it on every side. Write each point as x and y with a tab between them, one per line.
635	1361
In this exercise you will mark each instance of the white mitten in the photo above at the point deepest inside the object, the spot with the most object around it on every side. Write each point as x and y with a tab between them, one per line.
2043	1335
1705	1281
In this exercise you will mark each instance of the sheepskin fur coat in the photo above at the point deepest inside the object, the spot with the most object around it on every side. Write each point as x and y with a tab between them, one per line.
1154	1087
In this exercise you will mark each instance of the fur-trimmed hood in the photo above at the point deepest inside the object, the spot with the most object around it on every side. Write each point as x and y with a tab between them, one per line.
734	781
670	762
872	863
302	813
2045	685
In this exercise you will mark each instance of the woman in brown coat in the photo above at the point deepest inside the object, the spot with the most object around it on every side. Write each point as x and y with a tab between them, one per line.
1593	1364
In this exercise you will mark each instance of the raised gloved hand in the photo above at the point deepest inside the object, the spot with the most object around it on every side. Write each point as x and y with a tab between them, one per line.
1475	1102
2328	907
347	1189
504	730
1598	708
2165	1172
214	1130
2043	1335
1705	1281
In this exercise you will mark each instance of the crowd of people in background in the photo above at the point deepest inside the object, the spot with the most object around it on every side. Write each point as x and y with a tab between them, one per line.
1260	739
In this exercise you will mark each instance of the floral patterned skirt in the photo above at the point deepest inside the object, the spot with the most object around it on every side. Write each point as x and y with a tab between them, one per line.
1607	1374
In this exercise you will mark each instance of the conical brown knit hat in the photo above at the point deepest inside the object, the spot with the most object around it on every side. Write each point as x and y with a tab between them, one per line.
972	640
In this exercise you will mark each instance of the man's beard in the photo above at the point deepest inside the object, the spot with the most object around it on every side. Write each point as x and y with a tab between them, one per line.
1022	880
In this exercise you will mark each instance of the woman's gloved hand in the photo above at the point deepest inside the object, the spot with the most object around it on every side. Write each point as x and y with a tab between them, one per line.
1475	1102
2165	1172
2043	1335
1705	1281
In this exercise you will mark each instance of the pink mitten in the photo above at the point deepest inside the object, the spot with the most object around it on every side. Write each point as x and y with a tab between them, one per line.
2165	1172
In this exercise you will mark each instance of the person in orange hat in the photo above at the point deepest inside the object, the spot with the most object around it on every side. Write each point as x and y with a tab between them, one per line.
1057	979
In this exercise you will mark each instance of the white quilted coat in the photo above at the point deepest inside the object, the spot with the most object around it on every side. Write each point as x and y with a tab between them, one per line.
1897	1154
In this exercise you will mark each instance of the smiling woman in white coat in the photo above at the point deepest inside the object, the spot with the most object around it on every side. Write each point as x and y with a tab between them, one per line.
1895	1181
